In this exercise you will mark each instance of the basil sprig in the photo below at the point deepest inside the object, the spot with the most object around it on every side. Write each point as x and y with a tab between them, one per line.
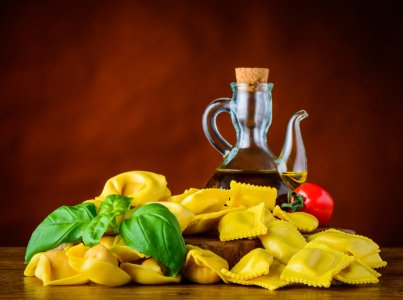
152	229
155	231
64	225
113	206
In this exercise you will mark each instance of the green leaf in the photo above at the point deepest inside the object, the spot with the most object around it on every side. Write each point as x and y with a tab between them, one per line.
64	225
96	229
110	208
116	205
155	231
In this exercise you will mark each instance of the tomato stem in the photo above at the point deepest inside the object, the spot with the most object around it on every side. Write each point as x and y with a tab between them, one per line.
297	204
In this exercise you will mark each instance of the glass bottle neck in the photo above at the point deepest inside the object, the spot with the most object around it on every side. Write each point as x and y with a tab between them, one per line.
251	112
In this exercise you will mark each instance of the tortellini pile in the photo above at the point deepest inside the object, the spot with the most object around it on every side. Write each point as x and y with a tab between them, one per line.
244	211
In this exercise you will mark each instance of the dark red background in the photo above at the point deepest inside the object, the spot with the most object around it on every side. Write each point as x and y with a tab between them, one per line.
90	89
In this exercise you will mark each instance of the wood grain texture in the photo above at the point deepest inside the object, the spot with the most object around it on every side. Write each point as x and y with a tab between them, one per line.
13	285
233	251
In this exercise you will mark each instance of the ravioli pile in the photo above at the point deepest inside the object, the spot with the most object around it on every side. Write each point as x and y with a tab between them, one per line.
244	211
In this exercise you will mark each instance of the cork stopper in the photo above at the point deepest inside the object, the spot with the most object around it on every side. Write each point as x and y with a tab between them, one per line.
252	75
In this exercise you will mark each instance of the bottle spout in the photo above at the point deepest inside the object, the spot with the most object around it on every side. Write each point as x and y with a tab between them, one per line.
292	159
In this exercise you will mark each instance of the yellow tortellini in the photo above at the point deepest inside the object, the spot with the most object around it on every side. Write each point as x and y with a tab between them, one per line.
203	266
52	267
357	245
97	264
254	264
179	198
315	265
141	186
357	273
107	241
283	240
149	271
251	195
209	221
206	200
303	221
243	224
270	281
123	252
181	212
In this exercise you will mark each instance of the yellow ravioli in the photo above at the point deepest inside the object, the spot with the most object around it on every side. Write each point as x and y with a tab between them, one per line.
315	265
179	198
357	245
124	253
336	282
203	266
374	260
254	264
303	221
243	224
181	212
141	186
52	267
268	217
283	240
206	200
270	281
209	221
356	273
251	195
149	272
97	264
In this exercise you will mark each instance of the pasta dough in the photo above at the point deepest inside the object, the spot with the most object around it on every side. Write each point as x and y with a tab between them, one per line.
179	198
203	266
149	272
315	265
52	267
303	221
206	200
141	186
251	195
243	224
271	281
357	272
283	240
209	221
254	264
268	217
374	260
357	245
124	253
97	264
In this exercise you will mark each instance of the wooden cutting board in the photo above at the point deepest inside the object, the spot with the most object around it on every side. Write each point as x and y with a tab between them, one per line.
233	251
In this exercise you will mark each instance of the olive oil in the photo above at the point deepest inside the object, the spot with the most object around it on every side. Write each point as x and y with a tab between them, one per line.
222	178
294	179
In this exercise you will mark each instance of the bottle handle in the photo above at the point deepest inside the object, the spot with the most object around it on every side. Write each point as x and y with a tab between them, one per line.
210	125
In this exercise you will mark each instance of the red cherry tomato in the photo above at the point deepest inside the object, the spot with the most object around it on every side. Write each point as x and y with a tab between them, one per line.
317	201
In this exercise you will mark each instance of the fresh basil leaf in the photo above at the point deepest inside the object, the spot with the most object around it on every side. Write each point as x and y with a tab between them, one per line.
116	205
64	225
110	208
96	229
155	231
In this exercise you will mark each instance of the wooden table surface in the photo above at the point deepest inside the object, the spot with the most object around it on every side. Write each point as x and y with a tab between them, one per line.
14	285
